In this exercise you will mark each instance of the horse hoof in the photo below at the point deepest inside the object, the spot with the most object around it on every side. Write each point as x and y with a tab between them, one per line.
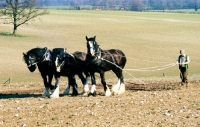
92	94
65	93
54	96
84	93
75	94
45	95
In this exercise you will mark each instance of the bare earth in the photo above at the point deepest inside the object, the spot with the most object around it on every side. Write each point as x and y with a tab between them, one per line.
161	104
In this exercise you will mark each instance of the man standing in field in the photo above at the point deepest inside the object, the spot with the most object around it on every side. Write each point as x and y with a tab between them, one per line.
183	61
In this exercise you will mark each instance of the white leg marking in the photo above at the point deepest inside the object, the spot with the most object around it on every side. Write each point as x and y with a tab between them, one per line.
46	92
67	90
122	89
115	88
86	88
108	93
93	88
55	93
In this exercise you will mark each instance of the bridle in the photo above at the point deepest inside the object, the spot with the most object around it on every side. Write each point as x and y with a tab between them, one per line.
97	52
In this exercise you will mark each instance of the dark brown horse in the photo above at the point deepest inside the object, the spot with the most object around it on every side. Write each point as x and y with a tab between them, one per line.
101	61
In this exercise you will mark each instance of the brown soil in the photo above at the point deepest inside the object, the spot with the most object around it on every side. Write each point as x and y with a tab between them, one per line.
154	104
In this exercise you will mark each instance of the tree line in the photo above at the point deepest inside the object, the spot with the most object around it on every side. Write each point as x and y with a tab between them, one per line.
135	5
19	12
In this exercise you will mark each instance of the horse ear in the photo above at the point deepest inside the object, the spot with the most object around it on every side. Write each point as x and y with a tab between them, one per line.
65	49
86	38
95	37
24	54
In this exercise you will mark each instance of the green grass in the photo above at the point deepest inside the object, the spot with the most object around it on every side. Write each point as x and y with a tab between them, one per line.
143	36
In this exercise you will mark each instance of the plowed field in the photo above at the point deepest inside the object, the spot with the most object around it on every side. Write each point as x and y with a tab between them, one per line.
154	104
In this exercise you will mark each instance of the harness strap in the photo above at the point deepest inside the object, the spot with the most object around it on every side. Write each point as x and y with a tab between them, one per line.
111	56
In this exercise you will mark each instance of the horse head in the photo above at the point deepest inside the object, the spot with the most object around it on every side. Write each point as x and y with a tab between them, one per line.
34	56
92	46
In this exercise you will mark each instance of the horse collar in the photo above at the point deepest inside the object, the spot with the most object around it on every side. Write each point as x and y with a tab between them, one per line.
47	55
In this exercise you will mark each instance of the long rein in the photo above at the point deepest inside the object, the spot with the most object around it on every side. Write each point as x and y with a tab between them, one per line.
156	68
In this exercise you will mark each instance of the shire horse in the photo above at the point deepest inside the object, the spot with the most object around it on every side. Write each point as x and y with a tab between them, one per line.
100	61
69	65
41	58
45	60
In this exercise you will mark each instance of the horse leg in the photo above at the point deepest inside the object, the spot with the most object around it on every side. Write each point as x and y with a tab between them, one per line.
84	82
67	90
46	90
93	89
119	88
55	94
52	88
106	88
74	85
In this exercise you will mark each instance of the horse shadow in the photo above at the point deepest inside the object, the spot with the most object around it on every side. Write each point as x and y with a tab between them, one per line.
16	95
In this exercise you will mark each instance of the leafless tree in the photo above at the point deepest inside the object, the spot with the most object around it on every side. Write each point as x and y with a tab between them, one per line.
19	12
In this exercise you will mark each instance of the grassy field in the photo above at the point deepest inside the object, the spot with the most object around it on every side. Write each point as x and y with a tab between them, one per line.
148	39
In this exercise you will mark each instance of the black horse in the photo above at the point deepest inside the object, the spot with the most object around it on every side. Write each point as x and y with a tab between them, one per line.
45	60
69	65
41	57
104	60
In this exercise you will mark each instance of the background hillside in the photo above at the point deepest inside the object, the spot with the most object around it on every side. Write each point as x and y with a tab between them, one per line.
148	39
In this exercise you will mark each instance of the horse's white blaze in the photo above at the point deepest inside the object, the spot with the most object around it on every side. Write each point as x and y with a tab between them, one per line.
108	93
93	88
115	88
55	93
46	92
91	48
67	90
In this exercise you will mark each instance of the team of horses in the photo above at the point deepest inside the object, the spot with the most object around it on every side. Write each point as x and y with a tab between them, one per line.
58	62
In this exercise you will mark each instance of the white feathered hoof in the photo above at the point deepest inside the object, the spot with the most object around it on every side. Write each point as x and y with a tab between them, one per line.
108	93
115	89
122	89
83	93
86	88
55	93
118	90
